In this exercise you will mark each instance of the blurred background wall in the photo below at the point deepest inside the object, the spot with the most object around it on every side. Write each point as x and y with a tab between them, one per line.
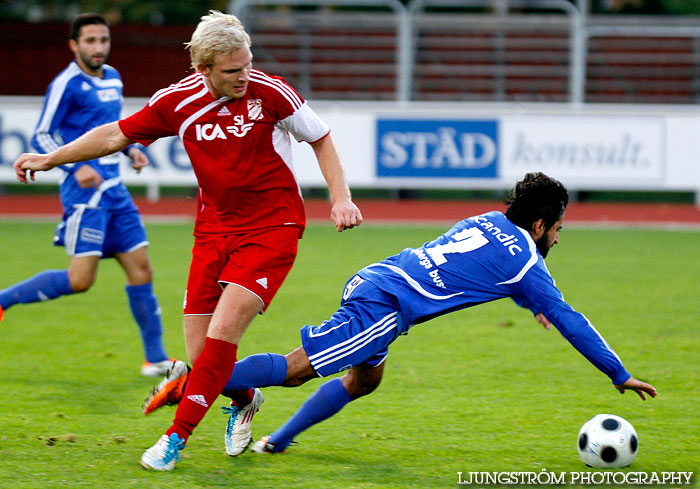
623	51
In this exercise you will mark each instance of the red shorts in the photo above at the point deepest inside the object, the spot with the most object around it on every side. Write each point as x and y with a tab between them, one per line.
258	261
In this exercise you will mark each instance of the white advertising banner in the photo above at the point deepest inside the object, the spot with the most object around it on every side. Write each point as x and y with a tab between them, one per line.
456	145
606	151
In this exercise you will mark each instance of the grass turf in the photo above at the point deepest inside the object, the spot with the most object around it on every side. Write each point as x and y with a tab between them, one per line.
484	389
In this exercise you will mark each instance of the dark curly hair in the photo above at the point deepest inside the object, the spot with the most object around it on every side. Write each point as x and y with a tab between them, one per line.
535	197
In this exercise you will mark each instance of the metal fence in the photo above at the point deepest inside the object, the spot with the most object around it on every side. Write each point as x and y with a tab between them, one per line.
473	50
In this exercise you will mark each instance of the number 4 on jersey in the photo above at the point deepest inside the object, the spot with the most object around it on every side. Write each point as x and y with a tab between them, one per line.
464	241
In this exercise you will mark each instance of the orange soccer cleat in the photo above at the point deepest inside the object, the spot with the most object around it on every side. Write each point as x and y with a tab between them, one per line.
170	389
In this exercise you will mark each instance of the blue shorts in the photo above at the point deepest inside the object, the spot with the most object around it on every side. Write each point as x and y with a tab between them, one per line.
87	231
360	331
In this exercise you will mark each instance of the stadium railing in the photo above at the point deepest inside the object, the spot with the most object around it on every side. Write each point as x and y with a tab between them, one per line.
642	61
474	50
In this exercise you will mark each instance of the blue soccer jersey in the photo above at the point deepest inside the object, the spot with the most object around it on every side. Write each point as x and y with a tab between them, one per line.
481	259
75	103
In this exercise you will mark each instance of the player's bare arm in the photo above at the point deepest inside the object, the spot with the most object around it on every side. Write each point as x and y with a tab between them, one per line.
641	388
101	141
344	212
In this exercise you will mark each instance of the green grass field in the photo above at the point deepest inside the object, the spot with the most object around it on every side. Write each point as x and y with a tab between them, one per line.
484	389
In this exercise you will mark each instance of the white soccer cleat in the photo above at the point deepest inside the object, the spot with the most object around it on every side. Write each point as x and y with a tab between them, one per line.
157	369
239	430
164	454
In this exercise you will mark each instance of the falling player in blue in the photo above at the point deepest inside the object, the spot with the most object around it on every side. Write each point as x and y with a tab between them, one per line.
480	259
100	219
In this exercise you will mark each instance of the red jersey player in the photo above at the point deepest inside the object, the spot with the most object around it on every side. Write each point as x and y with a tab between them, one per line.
234	123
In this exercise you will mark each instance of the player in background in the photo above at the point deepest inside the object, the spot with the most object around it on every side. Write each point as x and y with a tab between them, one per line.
480	259
234	122
100	219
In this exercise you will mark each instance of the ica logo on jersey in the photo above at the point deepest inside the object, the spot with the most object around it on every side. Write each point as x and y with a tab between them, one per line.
239	128
209	132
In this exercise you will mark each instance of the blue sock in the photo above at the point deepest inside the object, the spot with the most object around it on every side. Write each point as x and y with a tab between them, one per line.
44	286
146	312
324	403
261	370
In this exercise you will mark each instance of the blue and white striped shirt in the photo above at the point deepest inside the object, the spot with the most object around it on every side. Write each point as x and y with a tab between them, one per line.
75	103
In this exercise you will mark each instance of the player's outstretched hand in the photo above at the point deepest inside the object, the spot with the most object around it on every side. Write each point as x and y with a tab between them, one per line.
30	162
641	388
542	319
139	160
346	215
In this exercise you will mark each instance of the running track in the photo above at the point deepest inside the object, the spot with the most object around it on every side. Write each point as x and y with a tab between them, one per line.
392	211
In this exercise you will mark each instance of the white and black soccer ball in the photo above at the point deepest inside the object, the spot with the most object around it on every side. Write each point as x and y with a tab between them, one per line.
607	441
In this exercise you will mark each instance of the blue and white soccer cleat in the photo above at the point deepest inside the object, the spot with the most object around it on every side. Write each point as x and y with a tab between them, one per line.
164	454
239	430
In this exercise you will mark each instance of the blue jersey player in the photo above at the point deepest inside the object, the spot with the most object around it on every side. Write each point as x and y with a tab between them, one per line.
480	259
100	219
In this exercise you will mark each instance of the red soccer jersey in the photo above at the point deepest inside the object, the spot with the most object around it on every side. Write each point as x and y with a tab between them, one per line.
239	148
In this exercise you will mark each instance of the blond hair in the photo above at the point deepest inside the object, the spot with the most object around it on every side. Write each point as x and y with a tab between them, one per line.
216	34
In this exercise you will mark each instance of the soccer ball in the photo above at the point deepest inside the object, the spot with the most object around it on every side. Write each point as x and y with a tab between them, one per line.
607	441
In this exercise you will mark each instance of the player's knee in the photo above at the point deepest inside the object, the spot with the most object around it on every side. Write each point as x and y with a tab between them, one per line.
137	266
360	385
369	386
299	369
78	287
81	282
147	272
143	274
